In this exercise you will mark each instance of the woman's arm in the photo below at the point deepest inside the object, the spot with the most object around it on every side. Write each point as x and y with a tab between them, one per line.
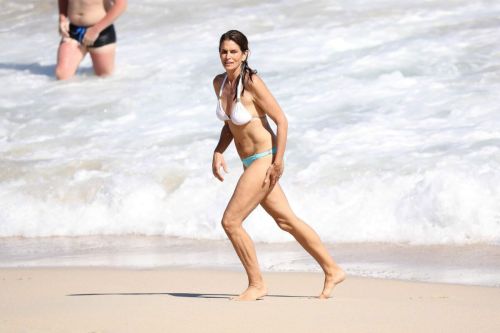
225	139
218	159
266	101
112	14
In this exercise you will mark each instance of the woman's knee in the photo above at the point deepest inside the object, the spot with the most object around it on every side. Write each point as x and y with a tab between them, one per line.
230	224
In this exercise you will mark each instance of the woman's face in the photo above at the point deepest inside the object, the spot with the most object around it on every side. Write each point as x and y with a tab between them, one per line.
231	55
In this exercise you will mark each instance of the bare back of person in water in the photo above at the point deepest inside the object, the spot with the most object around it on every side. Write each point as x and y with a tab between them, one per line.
87	26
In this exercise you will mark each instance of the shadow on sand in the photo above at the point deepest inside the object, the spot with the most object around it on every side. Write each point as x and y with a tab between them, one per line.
189	295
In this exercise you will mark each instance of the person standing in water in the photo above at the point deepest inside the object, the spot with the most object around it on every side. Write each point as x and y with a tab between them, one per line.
244	103
87	26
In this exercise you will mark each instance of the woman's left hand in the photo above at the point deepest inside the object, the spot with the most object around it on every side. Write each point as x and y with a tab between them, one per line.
90	36
274	173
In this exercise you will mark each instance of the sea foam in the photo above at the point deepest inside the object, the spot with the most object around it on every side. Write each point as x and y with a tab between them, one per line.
392	108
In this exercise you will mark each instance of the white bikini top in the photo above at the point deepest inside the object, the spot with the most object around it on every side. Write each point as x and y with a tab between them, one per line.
239	114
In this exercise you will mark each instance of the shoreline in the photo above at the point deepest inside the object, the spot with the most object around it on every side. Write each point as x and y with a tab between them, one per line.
232	270
196	300
474	264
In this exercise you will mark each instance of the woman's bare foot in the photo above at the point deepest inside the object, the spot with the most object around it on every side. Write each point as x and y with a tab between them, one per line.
252	293
331	280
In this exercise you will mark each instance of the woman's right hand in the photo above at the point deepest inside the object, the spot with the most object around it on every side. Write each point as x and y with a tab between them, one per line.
217	163
63	26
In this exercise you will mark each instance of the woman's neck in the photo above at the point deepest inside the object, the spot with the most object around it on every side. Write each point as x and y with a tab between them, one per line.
233	75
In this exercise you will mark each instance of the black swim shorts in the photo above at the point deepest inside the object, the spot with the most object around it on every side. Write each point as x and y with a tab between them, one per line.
107	36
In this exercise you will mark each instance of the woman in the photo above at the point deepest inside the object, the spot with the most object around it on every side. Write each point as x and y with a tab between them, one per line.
244	103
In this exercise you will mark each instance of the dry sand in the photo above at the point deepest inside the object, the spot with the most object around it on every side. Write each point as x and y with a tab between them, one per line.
174	300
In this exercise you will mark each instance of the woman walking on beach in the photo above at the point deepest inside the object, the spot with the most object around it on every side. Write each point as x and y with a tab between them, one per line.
244	102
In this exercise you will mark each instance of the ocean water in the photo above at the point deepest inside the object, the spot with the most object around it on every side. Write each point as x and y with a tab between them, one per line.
459	264
394	129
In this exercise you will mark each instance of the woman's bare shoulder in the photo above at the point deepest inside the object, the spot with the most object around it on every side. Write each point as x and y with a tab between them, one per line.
255	84
218	80
218	77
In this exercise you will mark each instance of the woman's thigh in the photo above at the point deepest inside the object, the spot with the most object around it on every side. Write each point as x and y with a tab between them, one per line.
250	190
276	204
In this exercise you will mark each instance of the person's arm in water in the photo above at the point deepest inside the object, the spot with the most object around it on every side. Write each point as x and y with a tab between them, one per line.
266	101
226	137
115	10
63	18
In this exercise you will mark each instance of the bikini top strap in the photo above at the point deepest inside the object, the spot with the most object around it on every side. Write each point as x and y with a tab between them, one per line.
222	86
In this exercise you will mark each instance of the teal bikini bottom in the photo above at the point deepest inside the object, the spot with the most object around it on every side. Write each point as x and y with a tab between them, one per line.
248	160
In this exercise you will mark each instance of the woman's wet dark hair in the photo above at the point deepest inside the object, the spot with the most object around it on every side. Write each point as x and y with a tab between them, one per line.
242	41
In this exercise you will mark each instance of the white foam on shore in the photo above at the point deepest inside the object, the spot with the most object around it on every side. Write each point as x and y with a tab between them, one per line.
394	131
469	264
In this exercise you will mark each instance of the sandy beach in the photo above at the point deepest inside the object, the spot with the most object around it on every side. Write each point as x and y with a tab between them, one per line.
173	300
110	217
